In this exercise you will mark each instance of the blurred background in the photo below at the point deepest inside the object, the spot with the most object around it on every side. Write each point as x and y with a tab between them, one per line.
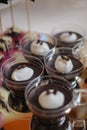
45	14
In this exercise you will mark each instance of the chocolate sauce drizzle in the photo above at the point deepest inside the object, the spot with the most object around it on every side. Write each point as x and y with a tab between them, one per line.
21	66
39	42
48	92
65	57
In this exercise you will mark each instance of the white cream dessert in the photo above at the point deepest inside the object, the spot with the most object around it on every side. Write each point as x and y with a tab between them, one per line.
63	64
22	74
67	37
39	47
51	99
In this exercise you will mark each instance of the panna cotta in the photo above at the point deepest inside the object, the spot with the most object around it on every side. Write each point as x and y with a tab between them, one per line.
39	47
23	71
17	72
51	99
22	74
63	64
37	44
68	37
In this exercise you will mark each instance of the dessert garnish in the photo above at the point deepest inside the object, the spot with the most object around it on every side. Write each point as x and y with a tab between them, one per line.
21	66
51	99
22	73
68	37
48	91
39	42
39	47
63	64
65	57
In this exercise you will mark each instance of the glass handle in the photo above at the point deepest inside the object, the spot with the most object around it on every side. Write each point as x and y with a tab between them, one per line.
76	49
80	97
79	124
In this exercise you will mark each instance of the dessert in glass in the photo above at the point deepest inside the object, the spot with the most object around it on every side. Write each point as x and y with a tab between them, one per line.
43	97
37	44
17	73
50	100
61	62
70	35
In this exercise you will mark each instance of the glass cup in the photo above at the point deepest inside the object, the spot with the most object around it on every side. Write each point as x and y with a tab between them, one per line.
69	40
29	38
16	99
55	118
72	76
48	118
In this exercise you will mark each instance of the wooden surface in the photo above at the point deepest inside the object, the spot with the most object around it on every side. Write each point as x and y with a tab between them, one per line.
13	121
18	125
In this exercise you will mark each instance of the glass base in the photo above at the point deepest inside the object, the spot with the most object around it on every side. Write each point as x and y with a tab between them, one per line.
17	103
36	124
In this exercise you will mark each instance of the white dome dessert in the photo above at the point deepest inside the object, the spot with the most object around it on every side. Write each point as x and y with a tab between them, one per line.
39	48
51	100
67	37
22	74
63	64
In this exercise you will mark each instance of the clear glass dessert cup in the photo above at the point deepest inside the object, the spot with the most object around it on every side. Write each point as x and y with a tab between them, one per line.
29	38
69	28
49	61
51	118
16	99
